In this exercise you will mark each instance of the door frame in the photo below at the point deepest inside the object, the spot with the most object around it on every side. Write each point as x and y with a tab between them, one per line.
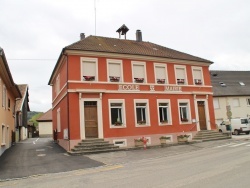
206	114
99	117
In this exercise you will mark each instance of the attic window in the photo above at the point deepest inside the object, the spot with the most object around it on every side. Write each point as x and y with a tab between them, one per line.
223	84
242	83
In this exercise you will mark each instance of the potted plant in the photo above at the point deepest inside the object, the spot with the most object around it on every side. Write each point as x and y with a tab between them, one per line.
114	79
139	80
139	142
184	119
163	139
183	138
89	78
160	81
141	122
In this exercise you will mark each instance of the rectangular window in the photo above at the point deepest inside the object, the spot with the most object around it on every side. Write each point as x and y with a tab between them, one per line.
142	112
160	74
236	102
139	75
58	118
115	70
248	102
163	113
216	103
180	73
117	113
184	112
57	86
3	135
4	96
89	69
197	75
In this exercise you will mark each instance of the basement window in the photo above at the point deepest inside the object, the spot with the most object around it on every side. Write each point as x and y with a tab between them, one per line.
120	142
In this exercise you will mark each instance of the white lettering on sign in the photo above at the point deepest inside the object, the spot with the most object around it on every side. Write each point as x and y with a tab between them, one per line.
173	88
129	87
152	88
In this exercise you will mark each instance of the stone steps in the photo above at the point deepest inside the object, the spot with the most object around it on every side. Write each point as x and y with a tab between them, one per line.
91	146
210	135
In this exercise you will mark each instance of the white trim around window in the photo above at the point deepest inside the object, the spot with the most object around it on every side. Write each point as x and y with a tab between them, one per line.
164	112
91	74
180	75
118	118
184	111
162	78
139	74
114	74
120	142
141	106
197	74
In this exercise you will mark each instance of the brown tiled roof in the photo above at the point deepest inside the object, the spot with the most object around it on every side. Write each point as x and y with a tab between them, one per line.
24	91
226	83
47	116
122	46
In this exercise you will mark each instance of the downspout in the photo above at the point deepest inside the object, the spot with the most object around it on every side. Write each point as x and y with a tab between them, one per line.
68	98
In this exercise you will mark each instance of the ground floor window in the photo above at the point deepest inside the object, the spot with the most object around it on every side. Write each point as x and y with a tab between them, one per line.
117	113
141	113
184	111
163	111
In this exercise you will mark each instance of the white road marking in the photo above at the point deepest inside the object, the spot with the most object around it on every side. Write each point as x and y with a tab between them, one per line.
37	139
40	150
223	145
239	144
41	155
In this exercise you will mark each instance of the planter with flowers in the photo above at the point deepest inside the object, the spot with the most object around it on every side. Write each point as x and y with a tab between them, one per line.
183	138
139	80
140	142
163	139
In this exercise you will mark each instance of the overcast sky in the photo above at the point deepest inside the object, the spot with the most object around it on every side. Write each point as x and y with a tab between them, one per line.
33	33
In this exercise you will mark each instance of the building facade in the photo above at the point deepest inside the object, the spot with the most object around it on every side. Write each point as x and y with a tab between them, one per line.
9	93
120	89
231	94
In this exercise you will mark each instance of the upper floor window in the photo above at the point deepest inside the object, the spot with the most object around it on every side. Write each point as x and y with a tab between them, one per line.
216	103
160	74
236	102
180	74
117	113
141	112
57	85
248	101
4	97
114	70
89	69
197	75
184	111
139	73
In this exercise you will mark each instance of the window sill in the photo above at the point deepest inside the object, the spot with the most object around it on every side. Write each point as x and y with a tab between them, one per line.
118	126
165	124
142	125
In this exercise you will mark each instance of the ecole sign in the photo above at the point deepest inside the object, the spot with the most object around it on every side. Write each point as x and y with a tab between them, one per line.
131	87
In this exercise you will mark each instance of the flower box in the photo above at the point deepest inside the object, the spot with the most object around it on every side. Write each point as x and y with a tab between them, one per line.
197	81
182	138
118	123
180	81
184	120
139	80
139	142
160	81
141	122
114	79
163	139
89	78
164	121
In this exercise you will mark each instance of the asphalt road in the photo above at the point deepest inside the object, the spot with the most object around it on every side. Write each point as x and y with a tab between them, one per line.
215	164
40	156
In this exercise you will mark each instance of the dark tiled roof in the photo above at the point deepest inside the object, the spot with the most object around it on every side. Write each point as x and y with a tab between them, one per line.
231	80
122	46
23	89
47	116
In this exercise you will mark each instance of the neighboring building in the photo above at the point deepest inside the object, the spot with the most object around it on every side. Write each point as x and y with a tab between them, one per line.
22	109
231	94
120	89
45	124
9	93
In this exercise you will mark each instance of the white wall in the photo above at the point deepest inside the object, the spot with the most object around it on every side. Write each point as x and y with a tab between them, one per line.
45	128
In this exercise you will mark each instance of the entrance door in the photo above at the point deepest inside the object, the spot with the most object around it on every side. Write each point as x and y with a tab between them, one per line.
90	117
202	115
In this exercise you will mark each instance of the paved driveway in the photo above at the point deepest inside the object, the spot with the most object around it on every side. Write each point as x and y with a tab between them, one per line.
39	156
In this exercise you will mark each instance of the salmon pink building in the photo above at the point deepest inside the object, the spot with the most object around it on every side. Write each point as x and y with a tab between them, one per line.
120	90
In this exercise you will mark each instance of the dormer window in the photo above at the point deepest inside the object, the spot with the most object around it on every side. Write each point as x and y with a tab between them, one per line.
242	83
223	84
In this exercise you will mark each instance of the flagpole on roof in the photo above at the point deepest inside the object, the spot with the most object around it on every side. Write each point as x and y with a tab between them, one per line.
95	16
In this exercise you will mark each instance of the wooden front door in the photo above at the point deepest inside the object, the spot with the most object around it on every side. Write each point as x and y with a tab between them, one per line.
202	115
90	117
